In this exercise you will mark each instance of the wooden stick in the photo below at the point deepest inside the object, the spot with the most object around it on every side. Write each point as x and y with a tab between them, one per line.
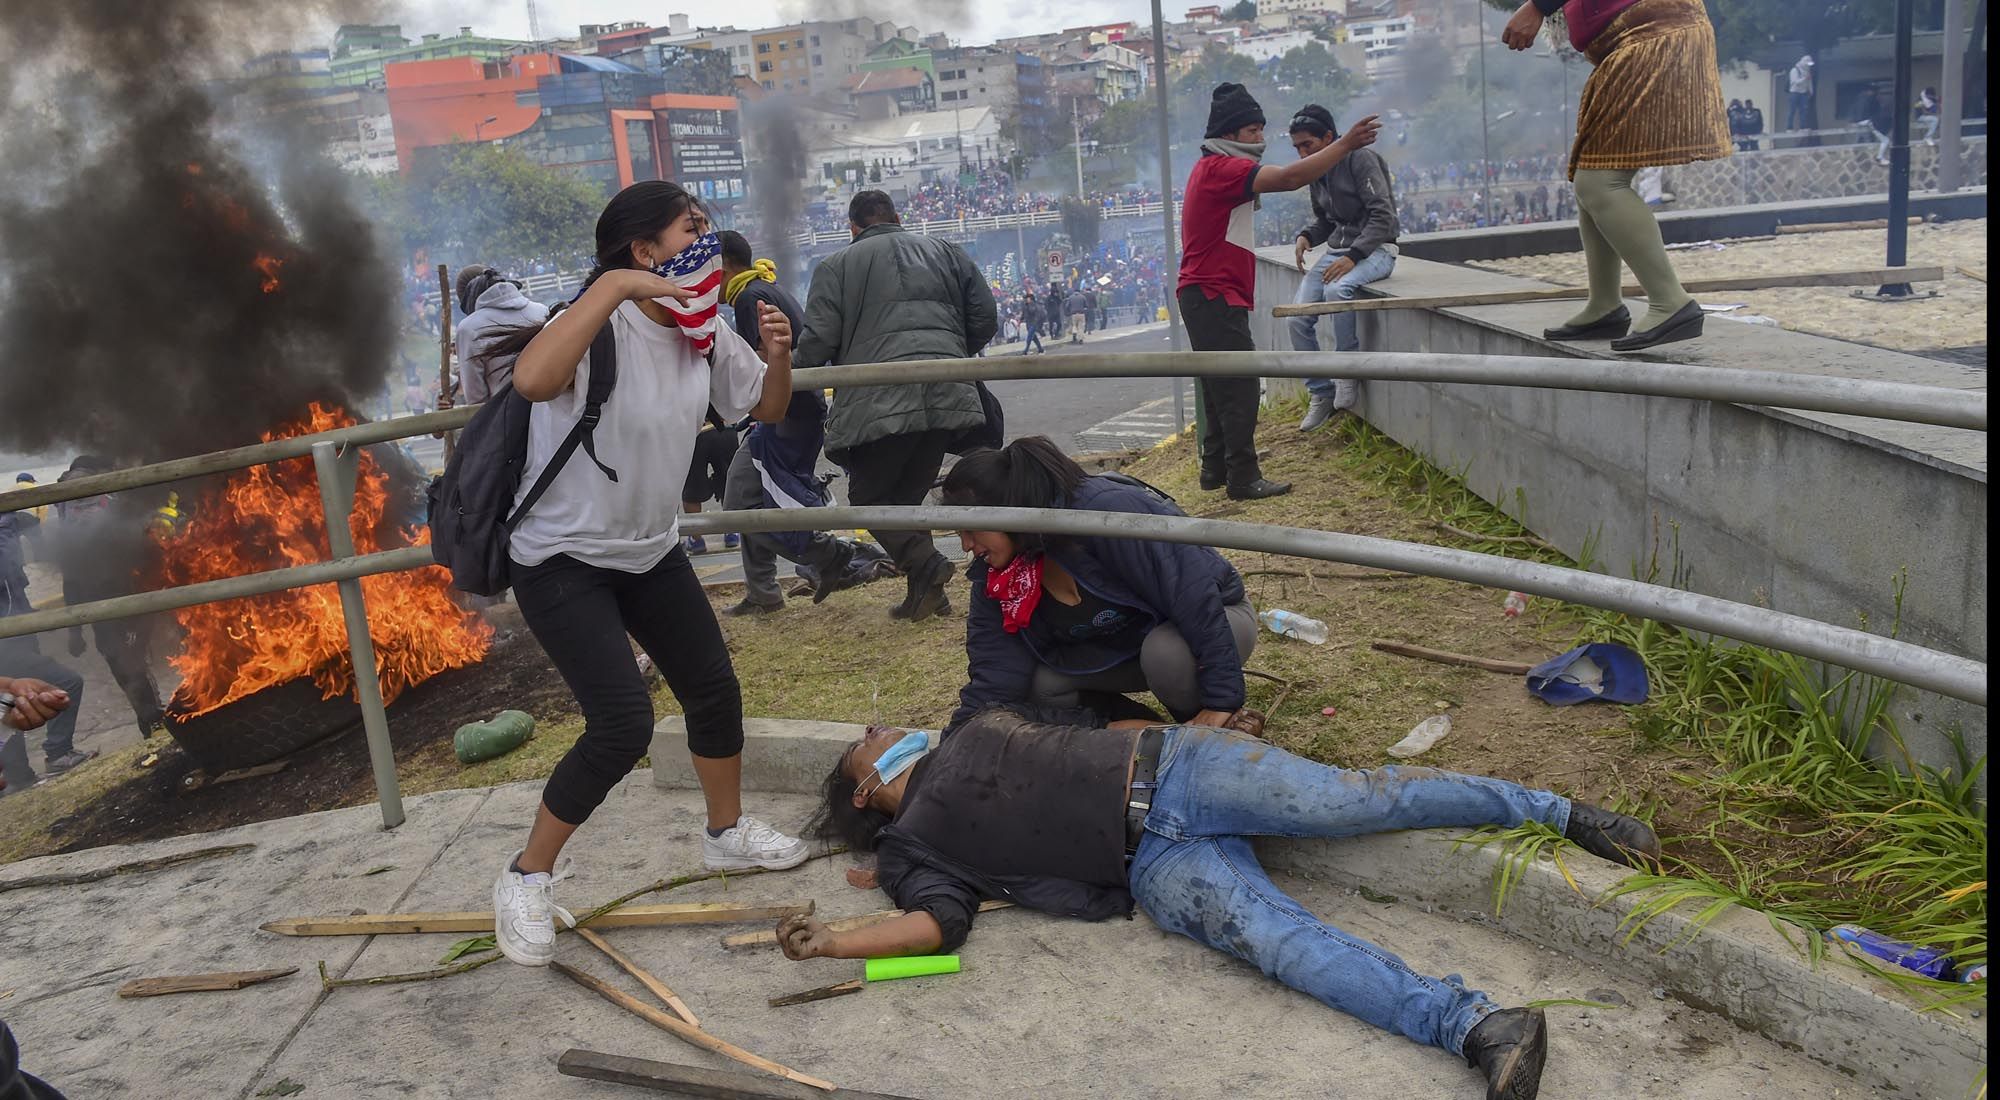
158	863
678	1080
823	993
1444	657
1970	273
674	1025
1834	227
632	916
1516	540
1871	277
195	781
845	924
444	348
200	983
667	996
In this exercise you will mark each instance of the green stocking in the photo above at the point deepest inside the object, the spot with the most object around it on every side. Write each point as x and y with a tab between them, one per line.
1609	210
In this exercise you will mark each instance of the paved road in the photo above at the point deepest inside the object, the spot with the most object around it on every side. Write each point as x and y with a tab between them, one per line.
1065	410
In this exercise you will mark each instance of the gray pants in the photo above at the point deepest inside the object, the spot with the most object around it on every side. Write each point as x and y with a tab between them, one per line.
1165	666
23	657
744	490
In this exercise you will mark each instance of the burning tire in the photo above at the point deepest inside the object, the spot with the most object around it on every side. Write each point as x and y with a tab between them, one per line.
260	728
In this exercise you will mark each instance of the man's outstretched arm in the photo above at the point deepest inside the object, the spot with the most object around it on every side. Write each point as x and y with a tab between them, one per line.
803	936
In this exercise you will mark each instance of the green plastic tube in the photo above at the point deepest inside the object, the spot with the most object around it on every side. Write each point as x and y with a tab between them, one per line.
476	741
910	966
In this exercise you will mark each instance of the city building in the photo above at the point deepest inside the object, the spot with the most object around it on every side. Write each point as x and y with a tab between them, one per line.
1265	48
595	118
889	93
923	146
977	76
1378	38
357	67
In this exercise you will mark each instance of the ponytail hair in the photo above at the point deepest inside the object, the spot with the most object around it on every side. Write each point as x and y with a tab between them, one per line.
1314	120
1030	472
638	213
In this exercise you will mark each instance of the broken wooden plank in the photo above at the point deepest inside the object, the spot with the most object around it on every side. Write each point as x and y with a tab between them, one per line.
195	781
1869	277
1443	657
769	938
631	916
201	983
676	1026
667	996
823	993
158	863
1972	273
679	1080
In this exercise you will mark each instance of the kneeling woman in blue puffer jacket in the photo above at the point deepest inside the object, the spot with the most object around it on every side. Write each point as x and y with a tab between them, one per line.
1079	622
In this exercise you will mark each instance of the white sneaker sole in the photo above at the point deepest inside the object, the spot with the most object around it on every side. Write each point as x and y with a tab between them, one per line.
747	863
518	955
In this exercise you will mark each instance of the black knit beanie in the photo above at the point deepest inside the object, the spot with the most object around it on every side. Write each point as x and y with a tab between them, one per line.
1230	109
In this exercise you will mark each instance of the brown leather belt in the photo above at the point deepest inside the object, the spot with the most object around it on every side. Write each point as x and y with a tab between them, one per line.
1145	773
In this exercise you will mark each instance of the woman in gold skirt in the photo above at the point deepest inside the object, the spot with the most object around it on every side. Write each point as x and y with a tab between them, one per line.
1653	99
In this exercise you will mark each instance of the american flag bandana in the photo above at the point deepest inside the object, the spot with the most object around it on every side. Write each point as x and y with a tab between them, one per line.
698	268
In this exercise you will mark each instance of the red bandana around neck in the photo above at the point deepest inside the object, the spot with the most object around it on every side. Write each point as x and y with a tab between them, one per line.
1018	588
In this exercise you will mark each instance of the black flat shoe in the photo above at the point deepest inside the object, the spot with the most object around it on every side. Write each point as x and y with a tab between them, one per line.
1608	327
1510	1047
1261	488
1685	324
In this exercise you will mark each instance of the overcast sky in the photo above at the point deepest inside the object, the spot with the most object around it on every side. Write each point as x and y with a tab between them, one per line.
956	18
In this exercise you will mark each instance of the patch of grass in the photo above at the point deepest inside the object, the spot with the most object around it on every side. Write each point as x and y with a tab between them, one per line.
25	816
1520	846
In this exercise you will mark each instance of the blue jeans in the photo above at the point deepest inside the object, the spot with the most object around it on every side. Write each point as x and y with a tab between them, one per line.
1195	872
1346	337
1033	339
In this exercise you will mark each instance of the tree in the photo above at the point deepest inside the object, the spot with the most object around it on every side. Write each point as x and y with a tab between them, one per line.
1082	222
1245	11
485	203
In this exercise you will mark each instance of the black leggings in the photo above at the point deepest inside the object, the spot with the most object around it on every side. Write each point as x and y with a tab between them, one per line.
581	615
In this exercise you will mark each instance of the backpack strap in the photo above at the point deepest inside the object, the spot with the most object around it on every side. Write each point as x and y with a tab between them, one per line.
603	376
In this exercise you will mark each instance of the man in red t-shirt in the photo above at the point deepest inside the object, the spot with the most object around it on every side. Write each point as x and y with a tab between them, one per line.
1218	283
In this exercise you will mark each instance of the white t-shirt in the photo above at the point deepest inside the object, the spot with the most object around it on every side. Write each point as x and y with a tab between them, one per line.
646	433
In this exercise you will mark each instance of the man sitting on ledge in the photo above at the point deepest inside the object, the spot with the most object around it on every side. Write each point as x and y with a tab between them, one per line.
1086	822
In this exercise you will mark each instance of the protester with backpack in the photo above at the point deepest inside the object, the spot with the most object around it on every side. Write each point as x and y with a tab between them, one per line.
593	548
1069	622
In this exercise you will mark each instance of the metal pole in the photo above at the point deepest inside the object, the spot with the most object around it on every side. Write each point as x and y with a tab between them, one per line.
336	468
1899	151
1169	253
1951	89
1485	129
1076	126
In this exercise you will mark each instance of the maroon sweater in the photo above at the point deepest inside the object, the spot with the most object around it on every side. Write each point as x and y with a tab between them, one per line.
1587	18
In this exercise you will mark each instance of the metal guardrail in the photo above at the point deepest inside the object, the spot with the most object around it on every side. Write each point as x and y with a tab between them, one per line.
335	459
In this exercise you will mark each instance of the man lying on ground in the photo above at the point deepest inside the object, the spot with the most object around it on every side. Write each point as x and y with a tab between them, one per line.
1086	822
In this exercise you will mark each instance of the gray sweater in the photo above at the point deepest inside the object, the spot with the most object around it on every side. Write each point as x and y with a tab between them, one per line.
503	306
1354	207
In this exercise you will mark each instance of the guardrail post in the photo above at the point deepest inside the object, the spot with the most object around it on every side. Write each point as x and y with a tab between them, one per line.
337	468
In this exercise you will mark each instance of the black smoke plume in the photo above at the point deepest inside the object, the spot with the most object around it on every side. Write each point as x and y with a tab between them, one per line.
775	180
163	292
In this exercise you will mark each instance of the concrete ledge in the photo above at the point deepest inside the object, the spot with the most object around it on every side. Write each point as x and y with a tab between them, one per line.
1744	966
780	755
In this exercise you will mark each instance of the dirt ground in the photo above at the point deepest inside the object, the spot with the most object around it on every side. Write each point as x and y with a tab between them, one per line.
1956	318
847	660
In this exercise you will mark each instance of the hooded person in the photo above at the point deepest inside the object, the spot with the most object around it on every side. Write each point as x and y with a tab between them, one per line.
1218	277
491	302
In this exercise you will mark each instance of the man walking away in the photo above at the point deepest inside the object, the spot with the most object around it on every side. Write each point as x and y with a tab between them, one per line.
892	297
1031	325
1218	278
1753	125
1078	309
1354	216
23	656
1058	317
777	467
100	551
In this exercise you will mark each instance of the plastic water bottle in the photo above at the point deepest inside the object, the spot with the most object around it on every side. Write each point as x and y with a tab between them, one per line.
1291	624
1427	733
1517	602
1928	961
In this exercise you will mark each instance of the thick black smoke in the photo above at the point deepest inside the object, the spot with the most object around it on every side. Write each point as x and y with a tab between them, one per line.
775	180
159	296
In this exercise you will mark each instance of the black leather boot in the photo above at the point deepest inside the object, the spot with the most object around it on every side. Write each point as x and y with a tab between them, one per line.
1615	837
1509	1047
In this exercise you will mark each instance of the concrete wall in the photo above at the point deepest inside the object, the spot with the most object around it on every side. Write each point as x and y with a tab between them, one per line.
1826	172
1803	514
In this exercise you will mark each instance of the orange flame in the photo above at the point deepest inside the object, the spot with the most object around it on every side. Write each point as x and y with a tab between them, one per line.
268	266
270	517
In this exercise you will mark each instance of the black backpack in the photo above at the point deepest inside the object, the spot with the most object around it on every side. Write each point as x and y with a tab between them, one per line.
472	513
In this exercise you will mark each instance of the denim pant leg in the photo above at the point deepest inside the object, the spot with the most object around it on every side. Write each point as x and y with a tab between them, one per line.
1217	783
1212	890
26	660
1346	326
1305	330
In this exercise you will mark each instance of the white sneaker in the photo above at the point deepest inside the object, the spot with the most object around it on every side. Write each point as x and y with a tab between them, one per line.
525	912
1345	393
751	843
1318	412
